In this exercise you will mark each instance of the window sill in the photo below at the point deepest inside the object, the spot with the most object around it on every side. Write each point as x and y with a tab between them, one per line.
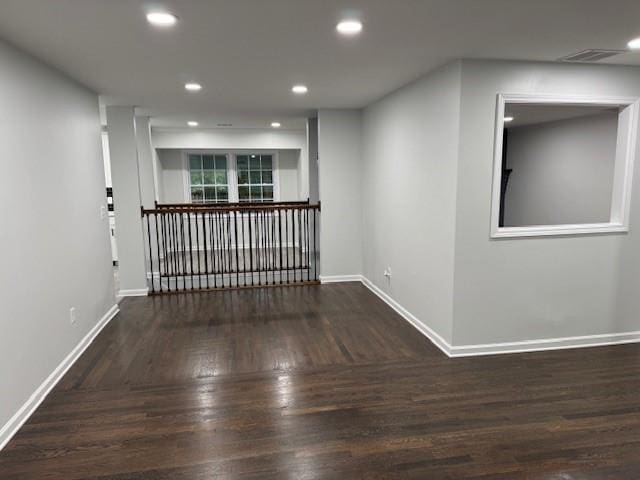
551	230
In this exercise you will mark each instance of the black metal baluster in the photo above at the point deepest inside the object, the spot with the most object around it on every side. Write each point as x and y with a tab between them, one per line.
272	219
286	244
206	251
190	248
219	246
172	247
307	243
244	252
183	270
235	226
213	241
223	245
300	243
315	254
165	249
281	270
264	246
198	250
155	217
229	249
250	248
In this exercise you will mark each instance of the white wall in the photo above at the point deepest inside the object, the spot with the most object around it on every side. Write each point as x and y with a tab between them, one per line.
127	199
312	136
171	169
289	175
339	168
146	167
536	288
56	245
230	138
562	171
410	145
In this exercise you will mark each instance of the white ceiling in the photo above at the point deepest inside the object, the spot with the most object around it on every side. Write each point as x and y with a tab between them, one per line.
248	53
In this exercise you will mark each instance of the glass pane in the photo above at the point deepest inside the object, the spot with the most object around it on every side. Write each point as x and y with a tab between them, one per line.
256	194
196	177
221	162
209	177
267	177
267	193
255	177
209	193
243	177
195	162
223	194
243	193
196	194
243	162
254	162
266	162
221	177
207	161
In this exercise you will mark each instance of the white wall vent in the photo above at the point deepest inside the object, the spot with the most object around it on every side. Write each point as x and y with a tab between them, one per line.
588	56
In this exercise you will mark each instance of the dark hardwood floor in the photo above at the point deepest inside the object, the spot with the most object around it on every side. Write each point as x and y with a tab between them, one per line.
322	382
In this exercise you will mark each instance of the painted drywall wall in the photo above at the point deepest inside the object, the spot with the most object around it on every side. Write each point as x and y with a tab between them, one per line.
238	139
562	171
146	167
172	175
312	135
410	144
339	170
289	175
519	289
125	177
52	188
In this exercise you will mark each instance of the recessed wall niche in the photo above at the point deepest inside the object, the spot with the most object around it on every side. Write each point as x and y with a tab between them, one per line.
562	165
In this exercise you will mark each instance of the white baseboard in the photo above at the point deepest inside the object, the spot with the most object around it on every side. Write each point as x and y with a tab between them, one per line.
435	338
584	341
22	415
340	278
453	351
140	292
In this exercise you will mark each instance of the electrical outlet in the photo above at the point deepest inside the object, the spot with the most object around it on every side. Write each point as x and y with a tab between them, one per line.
72	315
103	212
387	273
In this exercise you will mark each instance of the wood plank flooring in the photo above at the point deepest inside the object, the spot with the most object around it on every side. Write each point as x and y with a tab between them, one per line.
322	382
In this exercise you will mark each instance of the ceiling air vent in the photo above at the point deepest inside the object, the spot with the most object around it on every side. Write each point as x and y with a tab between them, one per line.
588	56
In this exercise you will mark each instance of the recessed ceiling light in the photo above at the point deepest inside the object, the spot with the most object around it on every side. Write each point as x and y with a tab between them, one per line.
349	27
634	44
192	123
300	89
508	119
161	19
275	124
193	87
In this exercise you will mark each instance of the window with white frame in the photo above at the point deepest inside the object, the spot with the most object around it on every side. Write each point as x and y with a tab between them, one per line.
255	177
208	178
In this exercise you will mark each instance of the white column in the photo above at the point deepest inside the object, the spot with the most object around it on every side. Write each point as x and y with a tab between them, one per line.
126	200
146	167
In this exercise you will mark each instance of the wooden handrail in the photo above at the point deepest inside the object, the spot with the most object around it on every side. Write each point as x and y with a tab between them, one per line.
187	206
254	207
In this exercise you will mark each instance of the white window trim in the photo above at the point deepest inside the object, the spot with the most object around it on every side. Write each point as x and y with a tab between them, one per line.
623	167
231	170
